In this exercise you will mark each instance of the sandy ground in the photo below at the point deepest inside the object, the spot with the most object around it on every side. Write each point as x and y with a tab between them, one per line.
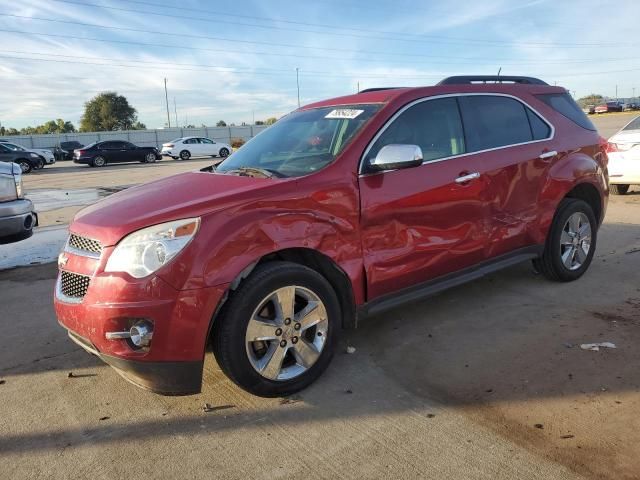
487	380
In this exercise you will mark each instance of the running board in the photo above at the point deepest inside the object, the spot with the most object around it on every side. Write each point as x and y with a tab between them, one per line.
437	285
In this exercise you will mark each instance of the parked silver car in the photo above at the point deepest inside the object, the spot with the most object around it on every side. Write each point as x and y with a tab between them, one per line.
17	217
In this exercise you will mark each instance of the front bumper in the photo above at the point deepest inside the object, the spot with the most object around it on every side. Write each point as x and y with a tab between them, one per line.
181	319
165	378
17	218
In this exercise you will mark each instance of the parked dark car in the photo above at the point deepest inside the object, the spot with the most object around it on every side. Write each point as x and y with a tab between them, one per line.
115	151
64	151
27	161
17	217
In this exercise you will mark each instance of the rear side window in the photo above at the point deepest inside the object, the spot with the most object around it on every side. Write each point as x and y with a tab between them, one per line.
539	128
493	121
564	104
433	125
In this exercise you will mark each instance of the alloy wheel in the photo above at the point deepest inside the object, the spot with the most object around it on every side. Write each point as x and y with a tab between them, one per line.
575	241
286	333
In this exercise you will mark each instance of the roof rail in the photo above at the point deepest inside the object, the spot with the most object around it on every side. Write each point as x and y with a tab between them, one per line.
469	79
377	89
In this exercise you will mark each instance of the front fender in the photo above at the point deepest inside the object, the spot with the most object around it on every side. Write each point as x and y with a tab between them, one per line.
325	219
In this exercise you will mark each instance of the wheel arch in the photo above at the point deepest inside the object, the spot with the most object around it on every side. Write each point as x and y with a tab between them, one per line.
589	193
313	259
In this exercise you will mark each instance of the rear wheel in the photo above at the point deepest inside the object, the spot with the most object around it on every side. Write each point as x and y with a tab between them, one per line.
185	155
571	242
620	189
276	334
98	161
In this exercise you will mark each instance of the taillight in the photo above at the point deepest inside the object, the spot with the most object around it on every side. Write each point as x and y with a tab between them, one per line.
612	147
81	152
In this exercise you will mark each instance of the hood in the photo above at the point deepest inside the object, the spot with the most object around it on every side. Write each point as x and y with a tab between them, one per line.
181	196
40	151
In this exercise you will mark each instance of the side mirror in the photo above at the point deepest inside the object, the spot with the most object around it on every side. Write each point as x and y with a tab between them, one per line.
396	156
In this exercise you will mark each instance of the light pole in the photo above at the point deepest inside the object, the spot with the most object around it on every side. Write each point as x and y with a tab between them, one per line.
166	99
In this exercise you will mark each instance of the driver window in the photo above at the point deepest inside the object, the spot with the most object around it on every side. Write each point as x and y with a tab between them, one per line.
434	125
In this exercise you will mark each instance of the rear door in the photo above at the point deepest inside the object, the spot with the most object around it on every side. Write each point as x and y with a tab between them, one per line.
513	142
423	222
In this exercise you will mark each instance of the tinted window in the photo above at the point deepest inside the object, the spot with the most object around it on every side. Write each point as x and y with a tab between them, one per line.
564	104
191	141
207	141
539	128
633	124
4	149
492	121
434	126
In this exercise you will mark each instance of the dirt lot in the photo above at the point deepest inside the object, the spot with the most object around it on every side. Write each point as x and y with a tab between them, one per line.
487	380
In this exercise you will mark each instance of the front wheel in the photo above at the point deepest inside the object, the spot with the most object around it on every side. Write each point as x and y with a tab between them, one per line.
619	189
571	242
150	158
224	152
25	166
277	332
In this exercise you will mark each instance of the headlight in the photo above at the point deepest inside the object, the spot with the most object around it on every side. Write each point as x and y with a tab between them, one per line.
145	251
34	155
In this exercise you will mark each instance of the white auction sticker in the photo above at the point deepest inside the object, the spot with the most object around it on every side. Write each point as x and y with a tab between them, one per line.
344	113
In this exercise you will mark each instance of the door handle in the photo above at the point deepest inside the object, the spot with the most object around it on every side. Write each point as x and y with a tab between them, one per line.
547	155
468	177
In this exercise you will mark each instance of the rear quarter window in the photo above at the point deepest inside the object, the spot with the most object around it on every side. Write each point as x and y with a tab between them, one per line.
564	105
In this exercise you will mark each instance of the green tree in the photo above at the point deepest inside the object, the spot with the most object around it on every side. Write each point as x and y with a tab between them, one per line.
259	122
592	99
270	121
221	123
108	111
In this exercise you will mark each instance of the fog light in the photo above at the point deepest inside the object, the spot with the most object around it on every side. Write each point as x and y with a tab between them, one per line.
141	334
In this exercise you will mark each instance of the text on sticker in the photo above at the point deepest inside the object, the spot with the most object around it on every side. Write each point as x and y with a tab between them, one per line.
343	113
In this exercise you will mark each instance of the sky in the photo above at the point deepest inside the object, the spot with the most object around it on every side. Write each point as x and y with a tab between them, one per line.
236	60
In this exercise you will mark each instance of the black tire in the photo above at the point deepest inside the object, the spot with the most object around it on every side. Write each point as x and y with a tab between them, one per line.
98	161
550	264
619	189
185	155
25	165
150	158
229	344
39	164
224	152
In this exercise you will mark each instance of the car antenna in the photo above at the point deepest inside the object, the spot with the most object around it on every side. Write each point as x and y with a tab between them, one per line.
498	76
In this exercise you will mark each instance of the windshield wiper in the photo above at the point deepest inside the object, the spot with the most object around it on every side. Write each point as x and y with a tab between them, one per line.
266	172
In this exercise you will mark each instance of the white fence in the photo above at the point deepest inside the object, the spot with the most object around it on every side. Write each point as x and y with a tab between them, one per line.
143	138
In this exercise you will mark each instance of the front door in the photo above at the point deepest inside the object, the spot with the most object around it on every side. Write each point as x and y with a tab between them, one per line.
423	222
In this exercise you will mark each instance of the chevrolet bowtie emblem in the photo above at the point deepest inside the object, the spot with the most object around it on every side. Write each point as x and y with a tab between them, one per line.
62	260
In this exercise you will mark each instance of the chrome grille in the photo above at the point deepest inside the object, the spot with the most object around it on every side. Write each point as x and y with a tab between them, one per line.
73	285
85	244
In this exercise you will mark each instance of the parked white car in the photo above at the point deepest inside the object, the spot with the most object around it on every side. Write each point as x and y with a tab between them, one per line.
623	150
187	147
46	155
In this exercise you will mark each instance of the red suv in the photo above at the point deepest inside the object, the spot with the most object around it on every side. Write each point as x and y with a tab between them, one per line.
343	208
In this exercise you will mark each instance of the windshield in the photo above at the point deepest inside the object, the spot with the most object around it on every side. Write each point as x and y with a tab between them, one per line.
14	147
633	124
302	142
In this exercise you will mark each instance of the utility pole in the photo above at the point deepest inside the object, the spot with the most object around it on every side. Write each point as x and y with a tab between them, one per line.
298	85
616	92
634	92
175	110
358	88
166	98
253	116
